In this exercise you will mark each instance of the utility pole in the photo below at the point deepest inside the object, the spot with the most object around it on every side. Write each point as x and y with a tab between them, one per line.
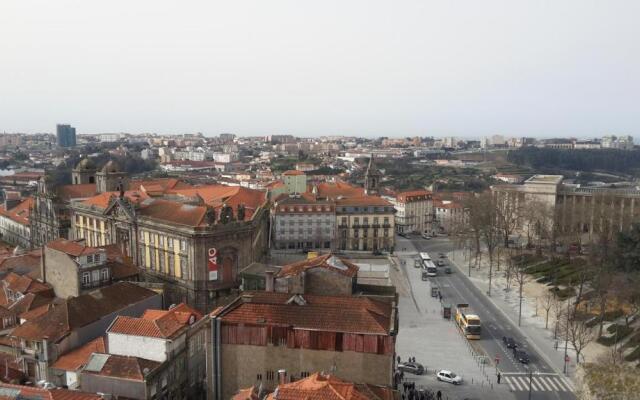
530	381
566	339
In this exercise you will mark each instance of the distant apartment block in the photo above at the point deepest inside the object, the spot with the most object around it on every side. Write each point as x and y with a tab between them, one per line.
303	222
66	135
414	212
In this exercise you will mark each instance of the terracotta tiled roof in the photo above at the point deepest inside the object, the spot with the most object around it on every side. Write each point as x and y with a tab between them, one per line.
24	284
173	212
328	261
36	312
363	201
321	313
328	387
83	310
247	394
31	301
19	213
292	173
103	200
72	247
406	196
156	323
124	367
69	192
337	189
233	196
77	358
30	392
28	263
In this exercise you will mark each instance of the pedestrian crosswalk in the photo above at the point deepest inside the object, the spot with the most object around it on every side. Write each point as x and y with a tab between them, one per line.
539	383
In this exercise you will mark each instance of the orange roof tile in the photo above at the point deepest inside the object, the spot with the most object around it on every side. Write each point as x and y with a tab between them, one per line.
329	387
19	213
156	323
72	247
292	173
69	192
321	313
124	367
233	196
78	357
30	392
337	189
326	261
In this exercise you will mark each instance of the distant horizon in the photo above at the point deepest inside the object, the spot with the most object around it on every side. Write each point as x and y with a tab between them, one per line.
462	137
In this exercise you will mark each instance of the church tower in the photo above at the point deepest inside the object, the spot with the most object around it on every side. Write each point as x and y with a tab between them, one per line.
371	178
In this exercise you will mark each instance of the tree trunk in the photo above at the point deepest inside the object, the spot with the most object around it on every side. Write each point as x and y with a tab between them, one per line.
546	321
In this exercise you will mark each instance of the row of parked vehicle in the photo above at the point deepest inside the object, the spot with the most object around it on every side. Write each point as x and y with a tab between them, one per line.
442	375
518	354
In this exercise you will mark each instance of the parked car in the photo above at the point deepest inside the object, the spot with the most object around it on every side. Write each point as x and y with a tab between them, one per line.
509	342
448	376
442	255
442	263
425	236
522	356
447	270
411	367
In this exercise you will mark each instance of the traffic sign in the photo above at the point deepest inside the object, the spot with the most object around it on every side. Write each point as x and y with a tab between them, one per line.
566	358
497	359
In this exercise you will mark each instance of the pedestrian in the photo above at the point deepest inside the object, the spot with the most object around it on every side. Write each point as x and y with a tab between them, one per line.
404	386
403	396
440	296
555	345
499	375
398	359
402	375
439	395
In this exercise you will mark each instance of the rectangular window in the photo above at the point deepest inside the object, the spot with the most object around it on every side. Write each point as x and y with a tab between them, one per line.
183	245
152	238
104	274
184	268
161	262
89	259
161	240
86	278
170	243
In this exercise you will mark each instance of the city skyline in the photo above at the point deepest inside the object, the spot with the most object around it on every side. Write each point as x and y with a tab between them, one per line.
357	69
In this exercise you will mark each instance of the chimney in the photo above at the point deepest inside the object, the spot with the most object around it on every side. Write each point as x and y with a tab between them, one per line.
269	281
282	376
43	270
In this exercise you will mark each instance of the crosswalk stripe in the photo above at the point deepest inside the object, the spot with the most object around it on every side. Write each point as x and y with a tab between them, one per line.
516	383
523	382
568	383
534	385
553	383
510	384
545	383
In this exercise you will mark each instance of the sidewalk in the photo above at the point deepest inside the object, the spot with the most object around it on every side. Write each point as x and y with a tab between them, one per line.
507	302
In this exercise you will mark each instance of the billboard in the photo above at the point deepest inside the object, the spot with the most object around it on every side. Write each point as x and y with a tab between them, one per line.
212	263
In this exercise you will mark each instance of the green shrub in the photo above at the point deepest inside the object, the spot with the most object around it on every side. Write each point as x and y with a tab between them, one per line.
623	331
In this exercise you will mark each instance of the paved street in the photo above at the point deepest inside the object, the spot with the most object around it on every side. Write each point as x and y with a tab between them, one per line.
546	382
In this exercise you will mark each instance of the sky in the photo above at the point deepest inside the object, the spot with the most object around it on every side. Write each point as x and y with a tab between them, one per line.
308	68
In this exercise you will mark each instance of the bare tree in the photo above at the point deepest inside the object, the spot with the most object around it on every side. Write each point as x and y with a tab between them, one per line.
520	277
579	334
547	303
558	310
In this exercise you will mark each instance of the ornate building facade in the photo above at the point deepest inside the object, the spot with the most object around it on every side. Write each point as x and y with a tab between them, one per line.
192	242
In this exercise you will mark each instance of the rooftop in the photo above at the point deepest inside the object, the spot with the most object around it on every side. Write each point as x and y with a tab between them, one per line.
358	315
123	367
329	387
327	261
75	248
163	324
545	179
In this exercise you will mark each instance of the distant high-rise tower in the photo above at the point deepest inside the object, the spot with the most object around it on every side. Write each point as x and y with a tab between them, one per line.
66	135
371	178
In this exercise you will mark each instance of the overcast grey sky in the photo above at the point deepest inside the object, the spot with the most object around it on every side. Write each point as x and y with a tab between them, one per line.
369	68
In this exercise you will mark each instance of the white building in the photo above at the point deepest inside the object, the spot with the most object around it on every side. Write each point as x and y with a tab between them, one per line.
414	212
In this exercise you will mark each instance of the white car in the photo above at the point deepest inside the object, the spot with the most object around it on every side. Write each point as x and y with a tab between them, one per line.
448	376
425	236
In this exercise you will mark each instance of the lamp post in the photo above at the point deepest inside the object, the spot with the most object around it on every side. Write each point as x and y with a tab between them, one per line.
566	340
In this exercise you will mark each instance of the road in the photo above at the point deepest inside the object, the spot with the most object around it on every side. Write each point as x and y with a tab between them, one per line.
546	383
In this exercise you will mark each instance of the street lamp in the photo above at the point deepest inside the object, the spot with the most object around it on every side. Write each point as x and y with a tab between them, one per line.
566	340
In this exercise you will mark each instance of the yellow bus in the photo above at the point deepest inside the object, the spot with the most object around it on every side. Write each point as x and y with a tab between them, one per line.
468	322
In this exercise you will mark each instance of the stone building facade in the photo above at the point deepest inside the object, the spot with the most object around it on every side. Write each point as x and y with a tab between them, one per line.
302	222
365	224
414	212
194	249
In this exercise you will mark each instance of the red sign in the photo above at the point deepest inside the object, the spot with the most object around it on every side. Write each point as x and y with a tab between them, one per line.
566	358
213	264
497	359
